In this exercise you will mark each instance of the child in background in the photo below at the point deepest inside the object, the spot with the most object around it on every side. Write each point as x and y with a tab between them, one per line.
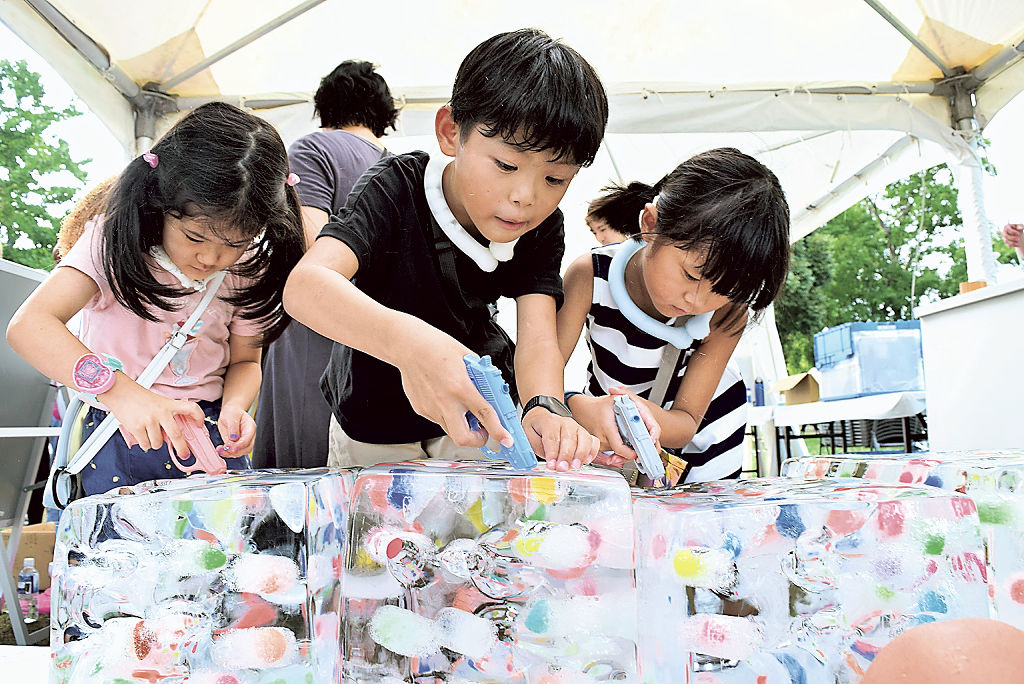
713	242
611	217
404	279
213	194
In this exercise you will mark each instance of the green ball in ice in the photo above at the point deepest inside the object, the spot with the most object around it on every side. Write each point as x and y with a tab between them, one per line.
212	558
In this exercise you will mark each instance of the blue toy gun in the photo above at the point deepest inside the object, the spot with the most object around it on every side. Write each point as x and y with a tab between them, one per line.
494	389
634	433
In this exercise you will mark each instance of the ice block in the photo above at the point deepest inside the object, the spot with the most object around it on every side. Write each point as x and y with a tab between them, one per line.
993	479
474	572
773	581
213	578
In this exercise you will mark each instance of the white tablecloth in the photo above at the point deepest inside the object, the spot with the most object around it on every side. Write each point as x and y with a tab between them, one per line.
29	664
890	405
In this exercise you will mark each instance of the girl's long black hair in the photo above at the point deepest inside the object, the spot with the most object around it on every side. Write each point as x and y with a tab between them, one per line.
730	207
224	164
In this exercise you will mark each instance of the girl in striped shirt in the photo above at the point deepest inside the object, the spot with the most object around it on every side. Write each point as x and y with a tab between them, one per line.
712	251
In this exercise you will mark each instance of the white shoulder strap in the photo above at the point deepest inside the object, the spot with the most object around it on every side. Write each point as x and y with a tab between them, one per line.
146	378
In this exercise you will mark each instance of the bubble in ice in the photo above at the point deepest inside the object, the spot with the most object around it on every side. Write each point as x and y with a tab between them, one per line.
255	648
465	633
720	636
403	631
289	502
263	573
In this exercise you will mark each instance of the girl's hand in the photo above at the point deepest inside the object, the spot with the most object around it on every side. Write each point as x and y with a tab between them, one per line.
148	416
435	380
643	407
237	429
597	416
561	441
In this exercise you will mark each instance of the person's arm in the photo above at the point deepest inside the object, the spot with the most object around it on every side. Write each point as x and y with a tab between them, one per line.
700	380
1013	236
38	332
540	368
313	220
319	293
579	291
595	414
241	385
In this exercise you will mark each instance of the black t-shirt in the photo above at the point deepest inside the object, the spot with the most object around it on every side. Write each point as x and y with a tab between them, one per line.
387	223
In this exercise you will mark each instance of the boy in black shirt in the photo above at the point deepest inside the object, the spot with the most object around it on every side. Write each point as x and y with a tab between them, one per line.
404	277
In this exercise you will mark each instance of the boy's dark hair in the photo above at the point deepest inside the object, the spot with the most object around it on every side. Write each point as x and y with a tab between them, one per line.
224	164
732	207
353	95
620	206
534	92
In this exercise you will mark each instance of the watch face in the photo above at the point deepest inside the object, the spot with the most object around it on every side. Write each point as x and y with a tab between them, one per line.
91	374
551	404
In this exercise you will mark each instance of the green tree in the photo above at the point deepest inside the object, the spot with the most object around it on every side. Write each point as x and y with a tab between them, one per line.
876	261
37	172
801	309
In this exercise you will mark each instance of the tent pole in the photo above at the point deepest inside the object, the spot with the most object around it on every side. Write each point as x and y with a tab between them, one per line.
932	56
981	260
239	44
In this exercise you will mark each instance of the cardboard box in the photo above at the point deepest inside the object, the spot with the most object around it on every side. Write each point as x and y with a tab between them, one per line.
801	388
37	542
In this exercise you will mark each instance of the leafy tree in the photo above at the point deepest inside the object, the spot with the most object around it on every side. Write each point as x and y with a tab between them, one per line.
876	261
801	309
35	168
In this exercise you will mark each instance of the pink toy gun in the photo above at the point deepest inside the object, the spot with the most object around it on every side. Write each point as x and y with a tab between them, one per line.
201	446
199	443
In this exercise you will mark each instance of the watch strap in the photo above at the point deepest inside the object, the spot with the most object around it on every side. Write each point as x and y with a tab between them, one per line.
550	403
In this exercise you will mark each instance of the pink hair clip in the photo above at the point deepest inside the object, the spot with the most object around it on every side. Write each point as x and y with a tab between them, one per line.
291	180
151	159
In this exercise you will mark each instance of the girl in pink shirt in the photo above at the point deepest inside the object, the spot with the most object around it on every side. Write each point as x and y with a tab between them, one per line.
213	194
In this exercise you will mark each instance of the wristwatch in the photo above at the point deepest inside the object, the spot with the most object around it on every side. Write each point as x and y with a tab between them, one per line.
94	373
550	403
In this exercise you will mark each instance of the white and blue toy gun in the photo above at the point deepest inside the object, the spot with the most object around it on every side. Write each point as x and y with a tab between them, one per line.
494	389
634	433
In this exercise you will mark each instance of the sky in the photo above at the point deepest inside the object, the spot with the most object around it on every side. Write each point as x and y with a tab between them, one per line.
88	138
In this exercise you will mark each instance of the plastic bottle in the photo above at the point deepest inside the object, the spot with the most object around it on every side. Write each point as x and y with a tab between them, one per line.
758	392
28	590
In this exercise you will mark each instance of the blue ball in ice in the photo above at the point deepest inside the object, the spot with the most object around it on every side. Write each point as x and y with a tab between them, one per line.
932	602
789	523
933	481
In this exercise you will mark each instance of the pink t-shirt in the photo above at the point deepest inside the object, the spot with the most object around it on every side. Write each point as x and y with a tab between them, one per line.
196	372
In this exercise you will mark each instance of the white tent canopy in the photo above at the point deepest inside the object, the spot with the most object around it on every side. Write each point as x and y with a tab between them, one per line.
839	98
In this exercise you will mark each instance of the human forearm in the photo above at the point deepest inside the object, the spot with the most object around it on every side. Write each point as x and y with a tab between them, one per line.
242	384
330	304
539	370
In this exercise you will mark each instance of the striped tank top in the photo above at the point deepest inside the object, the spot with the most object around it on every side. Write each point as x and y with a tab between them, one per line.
622	354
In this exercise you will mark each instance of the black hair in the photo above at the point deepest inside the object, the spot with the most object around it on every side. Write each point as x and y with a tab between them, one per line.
620	206
355	95
731	207
224	164
533	91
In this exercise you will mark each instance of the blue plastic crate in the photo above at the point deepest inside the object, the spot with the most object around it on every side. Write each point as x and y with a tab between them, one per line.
859	359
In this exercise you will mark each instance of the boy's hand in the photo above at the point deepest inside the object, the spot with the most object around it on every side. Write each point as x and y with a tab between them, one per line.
562	442
148	416
237	429
435	380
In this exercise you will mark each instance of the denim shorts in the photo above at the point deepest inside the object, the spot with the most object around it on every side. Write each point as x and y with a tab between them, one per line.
117	465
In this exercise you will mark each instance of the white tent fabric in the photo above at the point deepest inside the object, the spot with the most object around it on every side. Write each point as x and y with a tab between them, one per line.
839	98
